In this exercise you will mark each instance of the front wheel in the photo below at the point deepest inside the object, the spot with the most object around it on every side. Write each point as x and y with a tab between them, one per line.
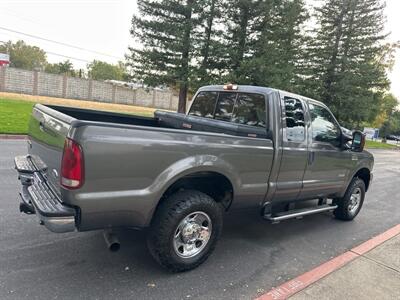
185	230
350	205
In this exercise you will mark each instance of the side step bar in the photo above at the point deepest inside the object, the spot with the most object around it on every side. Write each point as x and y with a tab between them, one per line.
299	213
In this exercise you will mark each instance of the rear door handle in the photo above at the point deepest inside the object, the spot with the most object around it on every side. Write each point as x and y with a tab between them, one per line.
311	157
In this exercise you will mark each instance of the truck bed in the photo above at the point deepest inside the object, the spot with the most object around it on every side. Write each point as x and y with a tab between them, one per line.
164	119
105	116
129	161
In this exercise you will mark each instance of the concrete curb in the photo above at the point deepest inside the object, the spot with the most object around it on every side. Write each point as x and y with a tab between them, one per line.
299	283
384	149
13	136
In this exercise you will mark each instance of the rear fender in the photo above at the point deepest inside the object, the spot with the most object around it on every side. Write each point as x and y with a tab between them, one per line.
191	165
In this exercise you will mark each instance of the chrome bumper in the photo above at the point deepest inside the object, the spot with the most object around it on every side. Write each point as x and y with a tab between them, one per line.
38	198
58	224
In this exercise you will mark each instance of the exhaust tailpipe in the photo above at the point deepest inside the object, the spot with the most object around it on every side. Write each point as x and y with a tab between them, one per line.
111	240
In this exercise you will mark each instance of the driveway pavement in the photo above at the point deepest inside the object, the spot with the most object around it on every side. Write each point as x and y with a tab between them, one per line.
251	257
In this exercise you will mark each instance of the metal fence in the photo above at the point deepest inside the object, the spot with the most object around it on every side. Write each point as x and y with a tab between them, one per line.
52	85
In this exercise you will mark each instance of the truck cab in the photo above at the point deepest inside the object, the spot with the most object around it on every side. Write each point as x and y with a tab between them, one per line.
314	158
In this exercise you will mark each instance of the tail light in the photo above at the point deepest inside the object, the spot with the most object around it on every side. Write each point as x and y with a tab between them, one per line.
72	167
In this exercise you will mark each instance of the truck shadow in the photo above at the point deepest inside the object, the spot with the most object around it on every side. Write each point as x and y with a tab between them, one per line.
245	235
251	252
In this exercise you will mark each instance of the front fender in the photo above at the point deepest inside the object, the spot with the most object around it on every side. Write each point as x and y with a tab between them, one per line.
363	163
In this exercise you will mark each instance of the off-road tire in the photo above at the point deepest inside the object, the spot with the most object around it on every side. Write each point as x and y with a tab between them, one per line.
342	211
167	217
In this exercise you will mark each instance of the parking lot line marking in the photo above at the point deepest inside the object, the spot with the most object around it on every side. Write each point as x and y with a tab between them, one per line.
299	283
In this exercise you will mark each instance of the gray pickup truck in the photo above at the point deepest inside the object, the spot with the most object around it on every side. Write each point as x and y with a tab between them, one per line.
238	147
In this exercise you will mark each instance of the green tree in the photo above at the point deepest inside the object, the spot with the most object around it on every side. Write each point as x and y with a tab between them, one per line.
388	118
24	56
395	122
100	70
193	43
349	59
165	30
209	49
277	54
242	19
65	67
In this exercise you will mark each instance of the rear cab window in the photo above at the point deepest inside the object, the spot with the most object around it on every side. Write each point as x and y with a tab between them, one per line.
250	110
225	105
242	108
247	111
204	105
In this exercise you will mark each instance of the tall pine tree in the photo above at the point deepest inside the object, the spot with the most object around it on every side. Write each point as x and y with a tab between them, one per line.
349	58
209	47
164	29
278	52
242	20
343	62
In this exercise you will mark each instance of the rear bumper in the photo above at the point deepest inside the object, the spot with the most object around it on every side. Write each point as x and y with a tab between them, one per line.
37	197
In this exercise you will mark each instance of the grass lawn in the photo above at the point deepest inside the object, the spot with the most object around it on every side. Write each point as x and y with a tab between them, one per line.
379	145
15	110
14	116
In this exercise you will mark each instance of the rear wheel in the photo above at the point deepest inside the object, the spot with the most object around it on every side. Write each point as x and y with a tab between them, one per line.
350	205
185	230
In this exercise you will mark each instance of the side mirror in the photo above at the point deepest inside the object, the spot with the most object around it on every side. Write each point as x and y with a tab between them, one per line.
345	139
358	141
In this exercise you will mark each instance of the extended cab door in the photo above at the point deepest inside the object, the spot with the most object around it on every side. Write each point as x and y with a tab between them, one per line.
246	149
294	148
328	165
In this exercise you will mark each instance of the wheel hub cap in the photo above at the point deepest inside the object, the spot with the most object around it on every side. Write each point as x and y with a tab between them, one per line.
355	200
192	234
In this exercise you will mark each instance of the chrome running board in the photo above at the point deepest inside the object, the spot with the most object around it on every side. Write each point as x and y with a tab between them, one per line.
298	213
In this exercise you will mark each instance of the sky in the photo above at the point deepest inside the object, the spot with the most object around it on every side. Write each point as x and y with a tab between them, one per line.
101	27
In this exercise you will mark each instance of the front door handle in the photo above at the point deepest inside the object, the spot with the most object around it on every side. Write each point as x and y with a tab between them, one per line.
311	157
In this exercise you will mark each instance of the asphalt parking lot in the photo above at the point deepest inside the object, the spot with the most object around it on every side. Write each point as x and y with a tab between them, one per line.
251	257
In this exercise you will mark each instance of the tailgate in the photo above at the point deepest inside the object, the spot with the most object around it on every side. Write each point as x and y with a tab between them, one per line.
47	131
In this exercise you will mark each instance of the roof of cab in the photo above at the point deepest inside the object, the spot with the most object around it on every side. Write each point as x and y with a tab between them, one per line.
254	89
241	88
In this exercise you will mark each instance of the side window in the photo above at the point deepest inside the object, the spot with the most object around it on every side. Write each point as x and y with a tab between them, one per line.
204	104
324	127
224	108
294	116
250	110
